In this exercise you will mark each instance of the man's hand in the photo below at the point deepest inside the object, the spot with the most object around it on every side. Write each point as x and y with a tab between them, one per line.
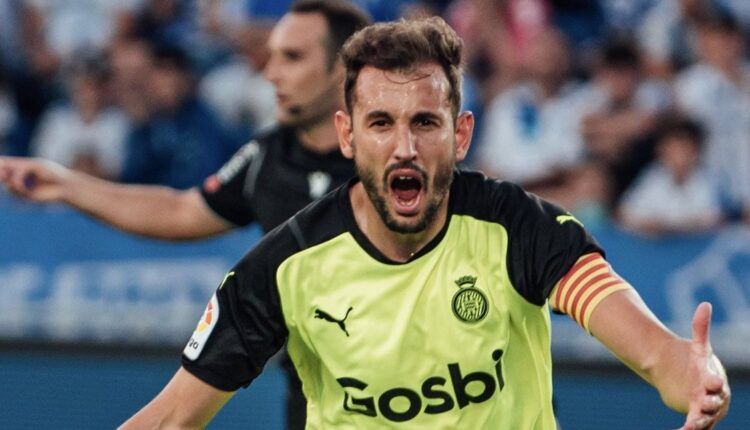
34	179
710	394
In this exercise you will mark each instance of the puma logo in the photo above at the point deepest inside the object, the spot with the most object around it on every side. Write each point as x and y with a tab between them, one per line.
340	322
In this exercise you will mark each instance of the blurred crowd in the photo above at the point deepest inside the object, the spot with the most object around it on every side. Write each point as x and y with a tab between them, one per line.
627	111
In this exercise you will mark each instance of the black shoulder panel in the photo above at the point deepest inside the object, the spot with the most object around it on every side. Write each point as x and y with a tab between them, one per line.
251	327
544	241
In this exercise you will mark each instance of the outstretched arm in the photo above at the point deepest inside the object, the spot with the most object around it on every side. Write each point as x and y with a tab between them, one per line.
152	211
687	374
185	403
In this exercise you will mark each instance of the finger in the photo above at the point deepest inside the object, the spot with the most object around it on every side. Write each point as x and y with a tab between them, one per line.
5	170
713	383
710	405
714	377
702	323
17	179
701	422
23	179
726	398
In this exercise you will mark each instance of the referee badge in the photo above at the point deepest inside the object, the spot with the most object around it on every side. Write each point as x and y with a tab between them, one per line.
469	303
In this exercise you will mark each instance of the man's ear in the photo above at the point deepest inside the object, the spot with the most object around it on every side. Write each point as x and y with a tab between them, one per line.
343	123
464	131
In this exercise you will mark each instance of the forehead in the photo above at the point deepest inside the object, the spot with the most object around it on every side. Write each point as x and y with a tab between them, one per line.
425	88
299	31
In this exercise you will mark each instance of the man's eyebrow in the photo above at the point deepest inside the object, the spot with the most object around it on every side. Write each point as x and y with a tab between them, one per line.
377	114
426	115
292	51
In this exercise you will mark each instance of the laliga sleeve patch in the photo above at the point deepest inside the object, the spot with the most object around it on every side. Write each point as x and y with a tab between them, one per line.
205	326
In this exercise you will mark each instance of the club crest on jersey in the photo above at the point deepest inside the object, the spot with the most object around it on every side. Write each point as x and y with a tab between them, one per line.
469	304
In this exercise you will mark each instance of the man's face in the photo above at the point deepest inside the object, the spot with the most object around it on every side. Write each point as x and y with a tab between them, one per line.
548	57
720	48
169	87
679	154
307	90
404	142
621	83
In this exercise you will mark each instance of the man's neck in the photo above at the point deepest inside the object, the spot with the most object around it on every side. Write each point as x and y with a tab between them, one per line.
320	138
397	247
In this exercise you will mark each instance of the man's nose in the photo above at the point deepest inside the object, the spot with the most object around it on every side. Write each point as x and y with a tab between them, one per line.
406	144
271	71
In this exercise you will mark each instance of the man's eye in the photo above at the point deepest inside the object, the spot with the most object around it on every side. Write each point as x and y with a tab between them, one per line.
379	123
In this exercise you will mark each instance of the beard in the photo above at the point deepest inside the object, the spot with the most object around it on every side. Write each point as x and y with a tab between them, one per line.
377	192
303	117
311	112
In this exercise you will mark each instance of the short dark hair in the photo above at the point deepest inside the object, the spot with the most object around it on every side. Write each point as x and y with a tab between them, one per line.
343	19
403	46
90	65
620	54
719	21
683	127
172	56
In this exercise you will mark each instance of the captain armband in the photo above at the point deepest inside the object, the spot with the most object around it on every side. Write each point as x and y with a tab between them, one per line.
588	282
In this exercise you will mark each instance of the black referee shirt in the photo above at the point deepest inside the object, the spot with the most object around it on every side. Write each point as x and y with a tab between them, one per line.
272	177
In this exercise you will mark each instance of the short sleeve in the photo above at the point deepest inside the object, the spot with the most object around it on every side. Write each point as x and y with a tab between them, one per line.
228	191
544	242
241	329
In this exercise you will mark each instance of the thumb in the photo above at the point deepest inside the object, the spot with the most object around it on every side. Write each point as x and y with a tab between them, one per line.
702	323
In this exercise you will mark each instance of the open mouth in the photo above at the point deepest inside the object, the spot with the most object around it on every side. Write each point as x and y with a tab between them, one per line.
406	188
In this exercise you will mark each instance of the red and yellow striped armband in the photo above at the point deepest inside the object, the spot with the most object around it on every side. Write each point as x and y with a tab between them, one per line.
587	283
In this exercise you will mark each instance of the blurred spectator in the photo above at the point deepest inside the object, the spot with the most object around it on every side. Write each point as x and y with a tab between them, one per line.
182	141
675	194
218	24
132	65
238	92
394	9
489	51
524	21
11	13
262	9
531	132
8	114
738	8
625	106
164	23
716	91
668	32
34	73
219	16
62	28
582	22
87	134
622	16
587	193
419	9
